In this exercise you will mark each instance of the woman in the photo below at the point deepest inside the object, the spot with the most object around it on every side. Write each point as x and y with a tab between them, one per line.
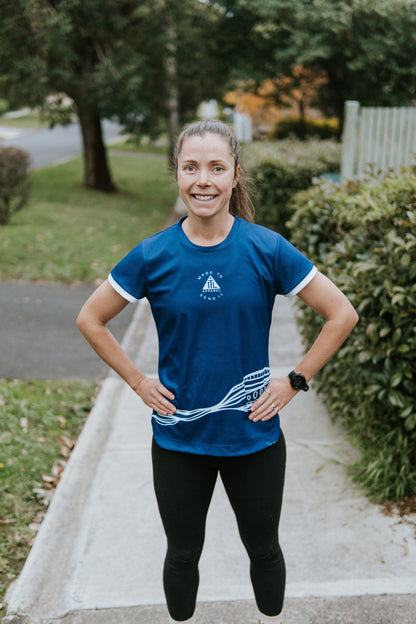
211	281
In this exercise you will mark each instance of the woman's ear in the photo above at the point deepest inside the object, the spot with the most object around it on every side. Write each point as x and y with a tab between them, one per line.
236	175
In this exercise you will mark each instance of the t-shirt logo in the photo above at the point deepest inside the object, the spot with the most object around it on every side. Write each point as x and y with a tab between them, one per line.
211	290
211	286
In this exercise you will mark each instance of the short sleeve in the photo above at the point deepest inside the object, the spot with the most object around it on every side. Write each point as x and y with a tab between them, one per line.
293	270
128	277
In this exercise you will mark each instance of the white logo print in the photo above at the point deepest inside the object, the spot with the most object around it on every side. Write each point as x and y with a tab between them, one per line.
211	289
211	286
239	398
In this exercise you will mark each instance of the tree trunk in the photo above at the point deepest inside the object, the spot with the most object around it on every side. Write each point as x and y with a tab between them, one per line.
96	170
302	117
171	68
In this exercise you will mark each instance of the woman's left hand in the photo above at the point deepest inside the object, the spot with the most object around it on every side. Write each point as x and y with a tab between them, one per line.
277	394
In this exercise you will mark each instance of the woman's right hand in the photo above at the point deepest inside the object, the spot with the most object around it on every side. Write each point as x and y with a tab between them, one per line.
155	395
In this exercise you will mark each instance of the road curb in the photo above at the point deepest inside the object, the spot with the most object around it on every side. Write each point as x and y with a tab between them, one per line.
56	535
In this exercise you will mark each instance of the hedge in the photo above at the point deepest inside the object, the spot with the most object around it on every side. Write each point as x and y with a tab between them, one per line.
279	169
306	128
363	236
15	181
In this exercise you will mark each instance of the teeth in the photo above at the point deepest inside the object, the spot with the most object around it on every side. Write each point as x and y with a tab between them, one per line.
204	197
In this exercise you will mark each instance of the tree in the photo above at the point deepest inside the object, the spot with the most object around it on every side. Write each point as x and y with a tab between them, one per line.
184	65
366	49
257	102
299	89
72	47
124	59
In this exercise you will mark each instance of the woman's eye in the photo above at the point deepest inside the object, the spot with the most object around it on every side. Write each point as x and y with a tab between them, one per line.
189	168
218	169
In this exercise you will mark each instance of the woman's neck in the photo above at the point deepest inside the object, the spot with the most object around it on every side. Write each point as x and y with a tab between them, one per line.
207	233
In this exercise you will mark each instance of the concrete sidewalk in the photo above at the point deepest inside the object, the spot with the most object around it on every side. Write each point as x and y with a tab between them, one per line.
99	554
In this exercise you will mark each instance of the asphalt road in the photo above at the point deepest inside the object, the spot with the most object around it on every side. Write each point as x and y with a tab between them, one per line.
54	145
38	335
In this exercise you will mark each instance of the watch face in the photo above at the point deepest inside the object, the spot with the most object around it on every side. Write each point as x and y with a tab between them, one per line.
298	381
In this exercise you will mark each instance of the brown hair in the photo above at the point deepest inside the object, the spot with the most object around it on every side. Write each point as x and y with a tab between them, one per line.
240	202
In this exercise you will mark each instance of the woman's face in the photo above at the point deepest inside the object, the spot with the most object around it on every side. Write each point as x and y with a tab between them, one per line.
206	175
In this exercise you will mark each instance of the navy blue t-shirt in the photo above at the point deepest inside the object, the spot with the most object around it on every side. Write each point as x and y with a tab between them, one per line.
212	308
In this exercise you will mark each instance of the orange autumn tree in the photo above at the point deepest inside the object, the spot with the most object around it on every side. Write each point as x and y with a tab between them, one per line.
258	102
296	92
299	89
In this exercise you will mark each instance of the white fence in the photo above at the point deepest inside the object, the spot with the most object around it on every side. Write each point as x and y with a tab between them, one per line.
377	139
242	126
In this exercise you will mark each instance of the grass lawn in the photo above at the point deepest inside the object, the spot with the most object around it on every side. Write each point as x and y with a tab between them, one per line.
144	146
39	423
67	233
31	120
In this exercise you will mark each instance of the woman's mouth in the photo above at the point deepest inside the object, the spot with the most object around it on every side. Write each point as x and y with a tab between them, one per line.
203	197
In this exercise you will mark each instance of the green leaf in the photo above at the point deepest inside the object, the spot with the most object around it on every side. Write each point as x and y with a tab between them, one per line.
405	260
410	422
384	331
397	334
396	398
404	413
404	348
364	356
372	390
372	332
398	298
396	379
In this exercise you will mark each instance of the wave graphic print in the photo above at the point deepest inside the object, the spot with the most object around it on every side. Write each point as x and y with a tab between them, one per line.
240	398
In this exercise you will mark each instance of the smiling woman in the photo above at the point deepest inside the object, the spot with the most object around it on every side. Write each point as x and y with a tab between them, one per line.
209	153
211	280
207	175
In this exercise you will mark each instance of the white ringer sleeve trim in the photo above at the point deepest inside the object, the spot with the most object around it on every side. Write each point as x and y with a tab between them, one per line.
303	283
121	290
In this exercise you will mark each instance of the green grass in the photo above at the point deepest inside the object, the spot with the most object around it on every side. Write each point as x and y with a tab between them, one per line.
146	147
31	120
39	422
68	233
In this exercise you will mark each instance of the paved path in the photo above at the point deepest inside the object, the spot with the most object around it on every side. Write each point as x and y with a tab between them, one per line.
99	554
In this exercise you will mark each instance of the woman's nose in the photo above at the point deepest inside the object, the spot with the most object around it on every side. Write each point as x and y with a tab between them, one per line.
203	177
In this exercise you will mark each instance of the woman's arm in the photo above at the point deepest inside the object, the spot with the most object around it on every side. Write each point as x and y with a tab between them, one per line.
327	300
103	305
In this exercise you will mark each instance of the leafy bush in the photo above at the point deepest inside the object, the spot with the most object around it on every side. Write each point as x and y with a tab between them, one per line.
4	106
363	236
306	128
281	168
15	181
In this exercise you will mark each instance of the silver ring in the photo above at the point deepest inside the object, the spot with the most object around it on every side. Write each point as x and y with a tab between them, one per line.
273	407
267	391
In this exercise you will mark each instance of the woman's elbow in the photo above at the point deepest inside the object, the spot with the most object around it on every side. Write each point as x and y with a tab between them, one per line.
82	321
351	317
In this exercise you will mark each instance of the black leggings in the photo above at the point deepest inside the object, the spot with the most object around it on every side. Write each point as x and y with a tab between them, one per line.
184	484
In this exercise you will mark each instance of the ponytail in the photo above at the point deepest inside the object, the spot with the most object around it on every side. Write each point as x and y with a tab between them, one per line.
240	202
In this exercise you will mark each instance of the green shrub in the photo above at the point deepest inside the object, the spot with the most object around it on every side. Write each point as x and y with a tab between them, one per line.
364	238
4	106
279	169
15	181
306	128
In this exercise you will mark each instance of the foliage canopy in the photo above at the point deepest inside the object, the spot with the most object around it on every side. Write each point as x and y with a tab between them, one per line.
366	48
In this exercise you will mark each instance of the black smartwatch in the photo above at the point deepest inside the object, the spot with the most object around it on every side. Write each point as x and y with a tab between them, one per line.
298	381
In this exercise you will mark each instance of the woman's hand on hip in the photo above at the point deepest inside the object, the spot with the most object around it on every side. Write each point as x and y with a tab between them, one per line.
274	398
155	395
